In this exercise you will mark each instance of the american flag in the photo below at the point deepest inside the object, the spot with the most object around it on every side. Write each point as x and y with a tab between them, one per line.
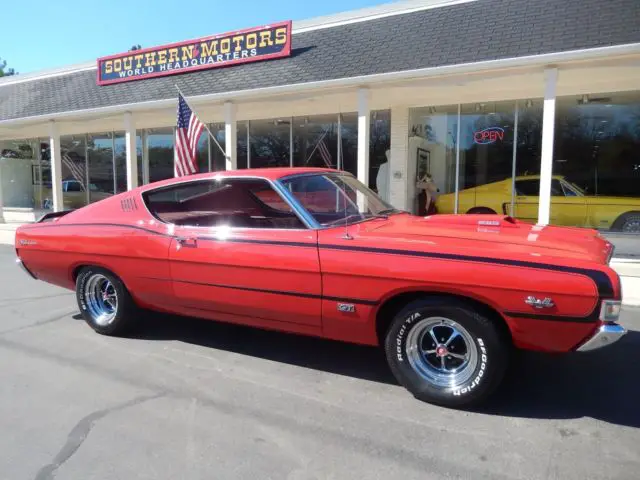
76	169
187	136
325	154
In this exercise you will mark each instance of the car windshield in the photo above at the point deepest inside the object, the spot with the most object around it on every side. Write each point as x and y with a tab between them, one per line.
333	198
572	186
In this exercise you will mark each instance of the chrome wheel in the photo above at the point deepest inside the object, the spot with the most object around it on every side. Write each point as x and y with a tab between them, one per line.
101	299
442	352
632	224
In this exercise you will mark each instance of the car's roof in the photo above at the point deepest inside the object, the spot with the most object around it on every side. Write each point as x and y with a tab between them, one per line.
267	173
536	177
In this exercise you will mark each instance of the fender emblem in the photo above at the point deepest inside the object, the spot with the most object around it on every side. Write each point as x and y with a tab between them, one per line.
346	307
537	303
28	242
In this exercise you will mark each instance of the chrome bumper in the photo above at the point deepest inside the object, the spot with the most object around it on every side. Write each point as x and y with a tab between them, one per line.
606	335
26	270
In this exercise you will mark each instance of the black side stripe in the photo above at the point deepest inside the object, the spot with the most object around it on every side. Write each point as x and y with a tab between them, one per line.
281	292
602	281
592	317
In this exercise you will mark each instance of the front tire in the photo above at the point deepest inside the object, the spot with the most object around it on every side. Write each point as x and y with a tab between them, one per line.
104	302
446	353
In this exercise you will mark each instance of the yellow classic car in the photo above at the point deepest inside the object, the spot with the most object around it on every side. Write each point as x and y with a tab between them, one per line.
74	195
570	205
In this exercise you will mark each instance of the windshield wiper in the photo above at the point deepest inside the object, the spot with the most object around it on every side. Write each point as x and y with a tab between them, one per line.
388	211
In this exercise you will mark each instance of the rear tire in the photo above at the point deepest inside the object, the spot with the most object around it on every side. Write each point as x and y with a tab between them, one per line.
481	211
104	302
445	353
627	222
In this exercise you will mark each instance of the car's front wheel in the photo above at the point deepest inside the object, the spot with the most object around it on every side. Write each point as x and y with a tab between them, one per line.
104	301
446	353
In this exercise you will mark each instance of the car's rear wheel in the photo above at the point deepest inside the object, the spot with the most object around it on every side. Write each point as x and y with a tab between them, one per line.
627	222
481	211
104	301
445	352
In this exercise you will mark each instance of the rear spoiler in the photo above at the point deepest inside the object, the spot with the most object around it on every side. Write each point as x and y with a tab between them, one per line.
52	216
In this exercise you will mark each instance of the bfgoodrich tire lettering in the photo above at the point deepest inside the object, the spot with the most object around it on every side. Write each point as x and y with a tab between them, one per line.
446	353
104	302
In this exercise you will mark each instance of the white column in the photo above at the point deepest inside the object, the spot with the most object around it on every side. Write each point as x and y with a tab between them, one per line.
132	155
231	136
398	161
145	156
548	127
56	167
363	135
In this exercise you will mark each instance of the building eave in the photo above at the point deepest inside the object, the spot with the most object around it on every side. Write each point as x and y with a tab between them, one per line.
364	81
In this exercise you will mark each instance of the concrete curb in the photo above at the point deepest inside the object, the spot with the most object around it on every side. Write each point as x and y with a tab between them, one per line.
629	270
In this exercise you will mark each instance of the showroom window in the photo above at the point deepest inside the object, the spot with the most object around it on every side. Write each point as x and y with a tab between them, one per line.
242	144
73	151
160	153
597	154
217	156
21	174
315	141
102	169
380	143
270	143
431	163
466	158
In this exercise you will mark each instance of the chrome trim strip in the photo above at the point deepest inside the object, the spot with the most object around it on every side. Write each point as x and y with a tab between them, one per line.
606	335
297	207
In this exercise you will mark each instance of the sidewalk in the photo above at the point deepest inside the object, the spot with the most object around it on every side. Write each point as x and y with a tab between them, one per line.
8	233
628	269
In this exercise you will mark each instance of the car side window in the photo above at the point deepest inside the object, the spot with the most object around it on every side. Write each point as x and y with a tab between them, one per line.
568	192
235	202
529	188
556	189
74	187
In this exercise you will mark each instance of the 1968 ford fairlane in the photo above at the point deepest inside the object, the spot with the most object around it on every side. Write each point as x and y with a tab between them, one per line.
313	251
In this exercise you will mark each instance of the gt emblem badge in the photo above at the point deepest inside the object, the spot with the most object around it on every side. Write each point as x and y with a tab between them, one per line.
537	303
346	307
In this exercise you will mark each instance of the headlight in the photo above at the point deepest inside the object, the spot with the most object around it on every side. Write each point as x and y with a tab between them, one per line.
610	310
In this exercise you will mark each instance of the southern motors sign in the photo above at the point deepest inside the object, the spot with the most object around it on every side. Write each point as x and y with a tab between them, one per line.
255	44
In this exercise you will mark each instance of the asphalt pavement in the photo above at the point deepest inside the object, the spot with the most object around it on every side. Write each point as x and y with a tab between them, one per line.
191	399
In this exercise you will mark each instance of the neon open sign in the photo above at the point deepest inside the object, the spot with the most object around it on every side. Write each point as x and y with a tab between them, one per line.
488	135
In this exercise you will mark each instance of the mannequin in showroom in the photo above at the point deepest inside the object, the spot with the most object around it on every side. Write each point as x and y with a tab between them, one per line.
428	191
382	179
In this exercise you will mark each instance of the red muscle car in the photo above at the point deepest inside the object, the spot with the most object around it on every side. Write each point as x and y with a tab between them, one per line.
315	252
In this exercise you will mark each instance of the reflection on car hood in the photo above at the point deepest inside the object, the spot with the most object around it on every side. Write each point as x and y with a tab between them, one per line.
489	235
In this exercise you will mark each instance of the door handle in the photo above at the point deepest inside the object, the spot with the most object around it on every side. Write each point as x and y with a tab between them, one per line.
190	242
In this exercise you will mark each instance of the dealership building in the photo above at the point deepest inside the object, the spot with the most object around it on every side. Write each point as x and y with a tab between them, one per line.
527	108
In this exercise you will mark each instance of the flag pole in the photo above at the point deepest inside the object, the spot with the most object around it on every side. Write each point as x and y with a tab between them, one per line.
316	147
203	123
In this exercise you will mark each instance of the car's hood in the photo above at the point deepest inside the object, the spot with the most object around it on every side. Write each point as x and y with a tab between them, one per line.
490	236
